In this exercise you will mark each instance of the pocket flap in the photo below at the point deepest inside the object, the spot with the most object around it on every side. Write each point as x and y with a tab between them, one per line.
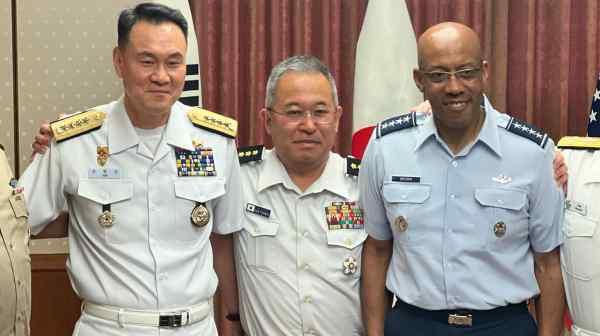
501	198
406	193
18	205
577	225
105	191
200	190
348	238
257	225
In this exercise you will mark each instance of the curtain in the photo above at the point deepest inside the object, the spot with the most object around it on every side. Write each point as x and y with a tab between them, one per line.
241	40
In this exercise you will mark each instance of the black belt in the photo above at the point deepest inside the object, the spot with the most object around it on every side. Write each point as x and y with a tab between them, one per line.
464	317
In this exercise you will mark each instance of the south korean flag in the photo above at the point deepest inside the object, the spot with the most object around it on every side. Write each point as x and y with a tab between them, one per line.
192	90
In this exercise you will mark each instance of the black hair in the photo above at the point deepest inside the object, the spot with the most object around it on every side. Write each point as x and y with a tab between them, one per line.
150	12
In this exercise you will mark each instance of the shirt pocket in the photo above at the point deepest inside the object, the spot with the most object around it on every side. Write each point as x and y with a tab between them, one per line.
346	247
262	240
582	246
505	218
17	203
404	206
188	195
97	194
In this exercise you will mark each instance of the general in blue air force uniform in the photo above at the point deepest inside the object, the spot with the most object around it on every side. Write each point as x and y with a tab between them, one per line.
467	223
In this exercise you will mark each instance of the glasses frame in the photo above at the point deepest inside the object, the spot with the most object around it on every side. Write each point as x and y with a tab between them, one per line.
305	114
456	74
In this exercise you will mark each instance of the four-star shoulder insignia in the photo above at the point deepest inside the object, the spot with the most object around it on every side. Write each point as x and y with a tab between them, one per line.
213	122
250	153
573	142
77	124
352	166
396	123
528	131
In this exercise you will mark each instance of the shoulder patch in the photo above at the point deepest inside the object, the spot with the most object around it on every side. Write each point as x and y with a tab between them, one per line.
250	153
528	131
573	142
77	124
213	122
352	166
396	123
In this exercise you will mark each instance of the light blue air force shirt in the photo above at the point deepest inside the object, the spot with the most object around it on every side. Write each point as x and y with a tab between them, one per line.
464	226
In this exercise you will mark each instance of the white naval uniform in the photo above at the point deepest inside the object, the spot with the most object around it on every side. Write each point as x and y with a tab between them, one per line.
290	264
581	250
152	257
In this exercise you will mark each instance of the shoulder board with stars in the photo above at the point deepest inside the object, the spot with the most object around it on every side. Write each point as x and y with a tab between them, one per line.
213	122
250	153
573	142
77	124
528	131
352	166
396	123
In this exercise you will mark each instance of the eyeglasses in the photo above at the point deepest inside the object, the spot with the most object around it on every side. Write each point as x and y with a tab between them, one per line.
319	116
439	77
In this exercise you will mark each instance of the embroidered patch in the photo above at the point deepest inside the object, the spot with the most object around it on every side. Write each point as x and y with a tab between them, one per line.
344	215
199	162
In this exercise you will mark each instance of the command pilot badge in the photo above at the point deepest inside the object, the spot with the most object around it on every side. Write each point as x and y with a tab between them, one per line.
349	266
500	229
200	215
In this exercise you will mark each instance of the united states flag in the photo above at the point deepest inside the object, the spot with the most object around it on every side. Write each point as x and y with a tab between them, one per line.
594	118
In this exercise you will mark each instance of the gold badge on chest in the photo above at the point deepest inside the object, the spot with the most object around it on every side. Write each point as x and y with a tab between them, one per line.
401	223
200	215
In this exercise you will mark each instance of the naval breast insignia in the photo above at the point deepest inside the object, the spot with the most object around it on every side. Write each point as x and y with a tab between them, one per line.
401	223
77	124
213	122
102	155
250	154
500	229
528	131
582	143
396	123
199	162
200	215
349	265
344	215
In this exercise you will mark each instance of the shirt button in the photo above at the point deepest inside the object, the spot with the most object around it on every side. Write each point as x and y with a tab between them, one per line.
12	247
452	196
305	234
163	276
449	231
454	164
307	299
306	267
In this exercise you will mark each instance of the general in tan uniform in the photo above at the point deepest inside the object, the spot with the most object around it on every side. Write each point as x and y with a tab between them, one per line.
580	254
15	264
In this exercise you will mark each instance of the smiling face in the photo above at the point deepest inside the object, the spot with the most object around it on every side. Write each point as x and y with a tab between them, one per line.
152	67
305	142
455	102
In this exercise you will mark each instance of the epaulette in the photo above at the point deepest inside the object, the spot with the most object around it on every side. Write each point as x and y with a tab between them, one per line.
352	166
250	153
77	124
213	122
574	142
396	123
528	131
